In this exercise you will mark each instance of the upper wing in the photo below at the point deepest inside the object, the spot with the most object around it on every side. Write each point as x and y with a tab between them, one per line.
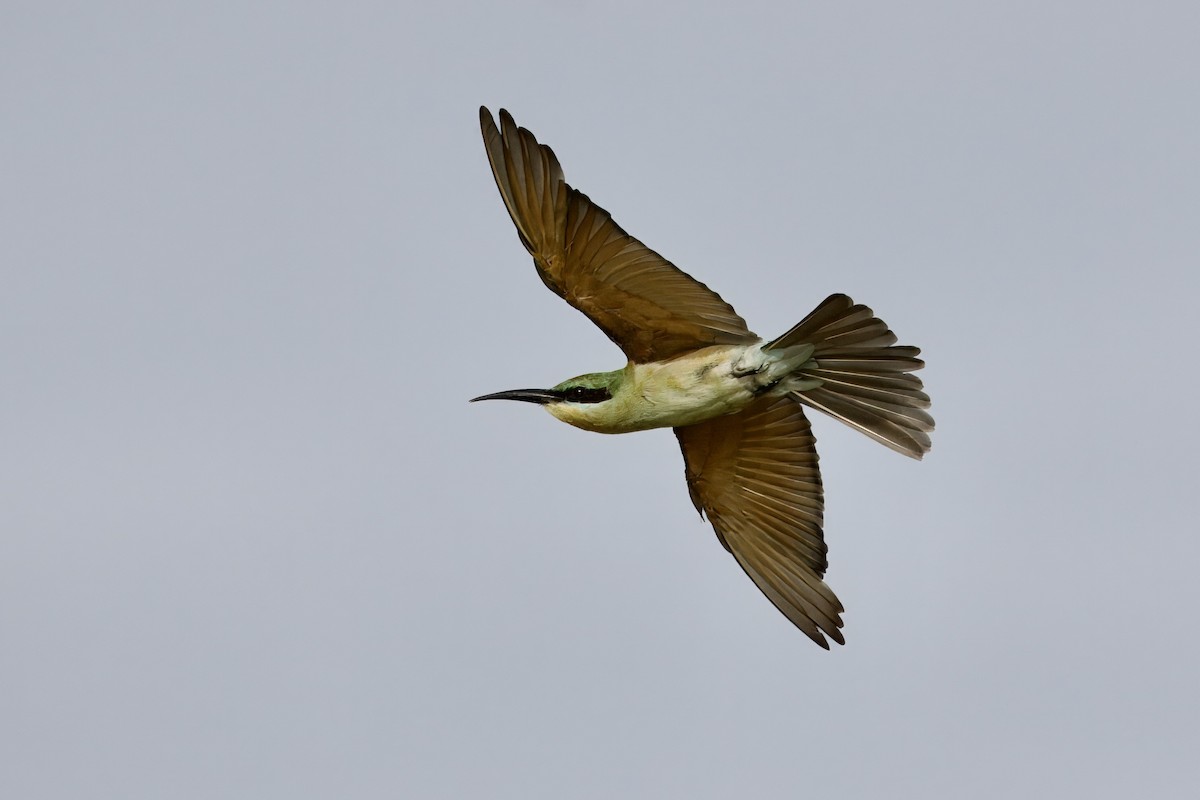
755	475
644	303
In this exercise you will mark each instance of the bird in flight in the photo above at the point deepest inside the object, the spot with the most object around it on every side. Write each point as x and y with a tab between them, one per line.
736	402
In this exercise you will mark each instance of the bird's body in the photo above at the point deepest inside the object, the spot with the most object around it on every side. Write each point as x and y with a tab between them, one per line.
685	390
734	400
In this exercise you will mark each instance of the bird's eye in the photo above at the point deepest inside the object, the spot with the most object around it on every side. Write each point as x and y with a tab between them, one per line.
576	393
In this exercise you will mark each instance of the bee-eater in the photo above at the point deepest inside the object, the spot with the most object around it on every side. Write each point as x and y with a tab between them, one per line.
735	401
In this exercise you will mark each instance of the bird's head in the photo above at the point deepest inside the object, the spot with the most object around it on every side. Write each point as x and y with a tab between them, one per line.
583	401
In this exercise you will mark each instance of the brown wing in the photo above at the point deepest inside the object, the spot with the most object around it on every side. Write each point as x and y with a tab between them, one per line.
644	303
755	475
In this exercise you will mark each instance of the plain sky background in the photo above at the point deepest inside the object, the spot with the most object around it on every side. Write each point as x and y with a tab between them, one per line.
254	542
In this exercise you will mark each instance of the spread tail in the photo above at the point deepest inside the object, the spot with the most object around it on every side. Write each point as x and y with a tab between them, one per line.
864	376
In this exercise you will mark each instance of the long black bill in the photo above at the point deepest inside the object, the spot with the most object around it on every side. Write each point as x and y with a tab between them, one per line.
539	396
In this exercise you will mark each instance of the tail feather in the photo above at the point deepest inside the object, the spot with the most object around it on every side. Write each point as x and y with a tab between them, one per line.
881	380
864	376
868	391
837	322
830	311
886	359
893	433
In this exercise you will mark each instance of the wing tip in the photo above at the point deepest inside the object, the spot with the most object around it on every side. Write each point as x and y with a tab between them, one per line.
833	633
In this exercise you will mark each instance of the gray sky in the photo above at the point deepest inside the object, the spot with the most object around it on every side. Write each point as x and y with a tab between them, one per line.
254	543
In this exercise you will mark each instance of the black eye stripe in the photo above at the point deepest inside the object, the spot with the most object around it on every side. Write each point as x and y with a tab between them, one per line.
583	394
